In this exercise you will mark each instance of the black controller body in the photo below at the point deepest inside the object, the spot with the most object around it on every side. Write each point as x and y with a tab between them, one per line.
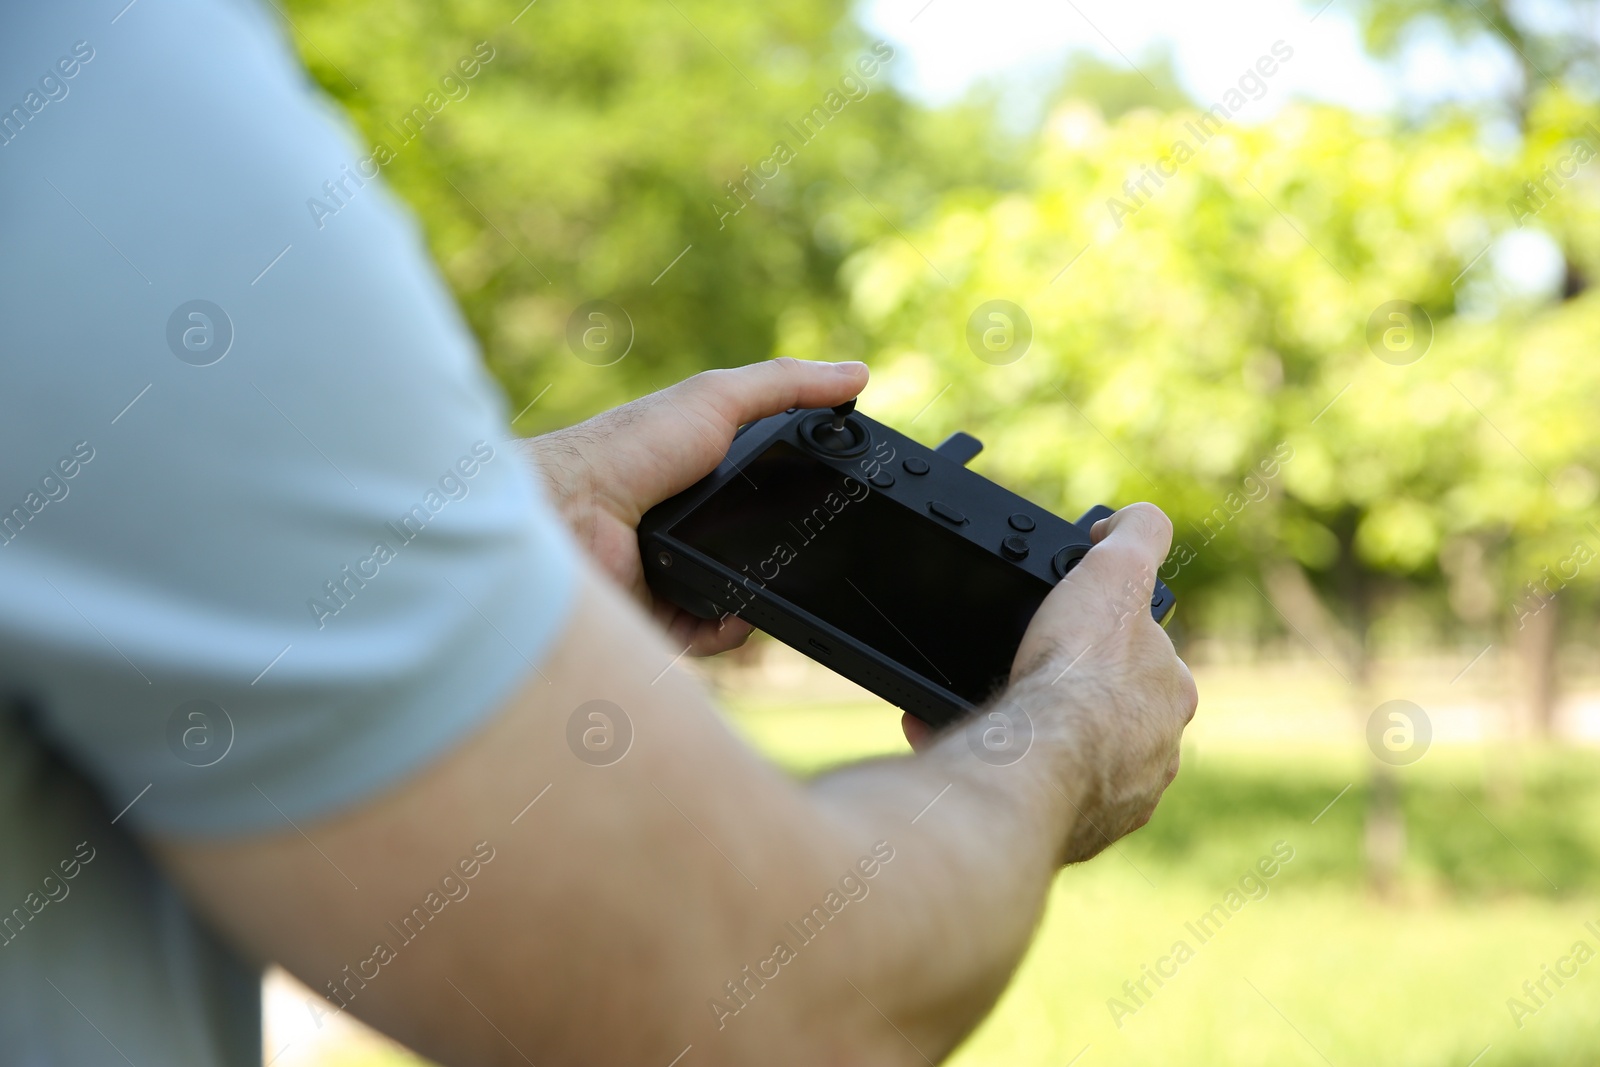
883	559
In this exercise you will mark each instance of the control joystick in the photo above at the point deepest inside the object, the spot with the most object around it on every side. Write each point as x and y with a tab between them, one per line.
837	434
840	411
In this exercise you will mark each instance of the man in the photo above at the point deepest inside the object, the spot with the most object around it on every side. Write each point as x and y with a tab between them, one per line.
293	645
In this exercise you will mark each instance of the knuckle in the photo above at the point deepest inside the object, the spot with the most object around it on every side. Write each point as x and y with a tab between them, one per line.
707	381
1188	695
1150	517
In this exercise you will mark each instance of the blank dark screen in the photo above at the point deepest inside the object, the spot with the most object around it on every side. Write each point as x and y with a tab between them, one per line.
890	577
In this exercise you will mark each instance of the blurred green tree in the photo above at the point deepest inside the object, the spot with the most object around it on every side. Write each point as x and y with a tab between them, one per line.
605	153
1549	45
1262	329
1553	50
1206	341
1116	89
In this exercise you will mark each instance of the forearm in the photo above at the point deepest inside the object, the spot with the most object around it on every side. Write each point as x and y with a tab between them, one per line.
636	906
978	832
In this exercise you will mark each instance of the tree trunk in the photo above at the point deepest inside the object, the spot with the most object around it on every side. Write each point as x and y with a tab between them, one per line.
1386	831
1293	594
1537	644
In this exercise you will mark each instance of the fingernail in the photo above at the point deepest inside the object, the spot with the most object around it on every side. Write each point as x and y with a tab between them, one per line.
850	367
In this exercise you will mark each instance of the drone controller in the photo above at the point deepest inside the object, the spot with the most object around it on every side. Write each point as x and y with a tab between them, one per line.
883	559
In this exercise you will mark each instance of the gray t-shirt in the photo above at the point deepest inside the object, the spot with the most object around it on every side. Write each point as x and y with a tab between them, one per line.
263	549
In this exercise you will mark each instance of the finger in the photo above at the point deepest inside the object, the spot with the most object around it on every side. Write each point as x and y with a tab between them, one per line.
744	394
1189	694
1123	563
918	733
1111	585
703	637
688	426
714	637
668	615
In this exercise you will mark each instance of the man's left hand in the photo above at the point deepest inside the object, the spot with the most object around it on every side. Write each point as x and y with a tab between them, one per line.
605	473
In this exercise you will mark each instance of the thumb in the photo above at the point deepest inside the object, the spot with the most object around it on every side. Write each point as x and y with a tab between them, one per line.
1129	548
744	394
1114	581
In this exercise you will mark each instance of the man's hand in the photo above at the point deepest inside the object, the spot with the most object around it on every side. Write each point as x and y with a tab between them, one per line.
1097	670
1132	696
1102	698
604	474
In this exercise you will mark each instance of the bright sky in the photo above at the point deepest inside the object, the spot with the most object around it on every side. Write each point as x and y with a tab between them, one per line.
947	46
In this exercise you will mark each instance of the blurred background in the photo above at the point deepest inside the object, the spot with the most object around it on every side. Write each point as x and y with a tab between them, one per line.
1318	278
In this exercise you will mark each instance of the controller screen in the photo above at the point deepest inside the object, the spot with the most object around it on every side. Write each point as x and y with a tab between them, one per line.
889	576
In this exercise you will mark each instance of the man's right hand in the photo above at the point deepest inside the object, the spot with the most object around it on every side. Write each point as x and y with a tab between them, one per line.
1096	672
1096	664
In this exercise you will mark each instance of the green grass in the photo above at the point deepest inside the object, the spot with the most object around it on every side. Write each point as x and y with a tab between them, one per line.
1307	975
1502	871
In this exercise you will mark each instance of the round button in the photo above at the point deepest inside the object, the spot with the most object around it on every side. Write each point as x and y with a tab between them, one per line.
883	479
1014	547
915	466
1020	522
1068	558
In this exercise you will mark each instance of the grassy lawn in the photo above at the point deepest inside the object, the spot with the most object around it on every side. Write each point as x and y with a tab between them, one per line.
1502	872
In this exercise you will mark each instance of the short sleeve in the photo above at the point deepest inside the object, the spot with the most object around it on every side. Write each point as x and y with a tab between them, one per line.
264	549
